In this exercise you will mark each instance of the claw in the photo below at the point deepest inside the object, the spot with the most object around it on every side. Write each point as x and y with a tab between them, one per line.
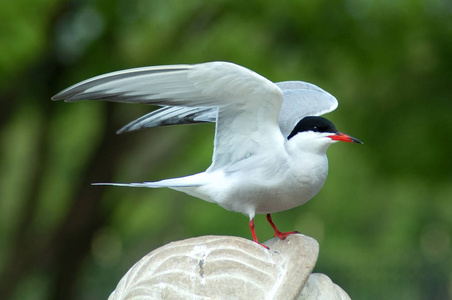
281	235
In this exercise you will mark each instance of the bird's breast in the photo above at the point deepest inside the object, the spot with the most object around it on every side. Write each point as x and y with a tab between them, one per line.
272	188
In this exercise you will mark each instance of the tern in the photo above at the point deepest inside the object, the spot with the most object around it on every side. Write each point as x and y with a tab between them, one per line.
270	141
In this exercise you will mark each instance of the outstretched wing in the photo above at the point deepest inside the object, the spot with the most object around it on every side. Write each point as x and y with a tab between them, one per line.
300	99
172	115
247	104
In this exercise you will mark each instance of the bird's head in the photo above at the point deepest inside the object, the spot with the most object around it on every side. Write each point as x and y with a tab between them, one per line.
318	133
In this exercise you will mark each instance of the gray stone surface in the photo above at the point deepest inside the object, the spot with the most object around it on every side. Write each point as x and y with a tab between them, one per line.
226	267
320	287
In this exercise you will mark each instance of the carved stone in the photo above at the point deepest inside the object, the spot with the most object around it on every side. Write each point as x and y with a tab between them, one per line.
227	267
320	287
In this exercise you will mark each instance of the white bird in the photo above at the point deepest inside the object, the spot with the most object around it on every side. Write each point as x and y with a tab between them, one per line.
270	143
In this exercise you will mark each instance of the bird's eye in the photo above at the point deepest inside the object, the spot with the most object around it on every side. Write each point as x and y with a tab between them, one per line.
315	128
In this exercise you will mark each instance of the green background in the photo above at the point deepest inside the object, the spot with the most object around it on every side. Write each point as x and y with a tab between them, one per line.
383	218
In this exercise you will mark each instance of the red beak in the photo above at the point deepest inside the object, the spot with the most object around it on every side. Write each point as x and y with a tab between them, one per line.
344	138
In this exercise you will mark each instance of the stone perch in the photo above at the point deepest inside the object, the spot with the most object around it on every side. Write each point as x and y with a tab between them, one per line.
227	267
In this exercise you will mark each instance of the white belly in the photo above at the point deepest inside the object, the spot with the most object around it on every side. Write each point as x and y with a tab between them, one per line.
268	190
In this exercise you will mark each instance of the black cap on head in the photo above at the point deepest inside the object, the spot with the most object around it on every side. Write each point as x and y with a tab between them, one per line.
316	124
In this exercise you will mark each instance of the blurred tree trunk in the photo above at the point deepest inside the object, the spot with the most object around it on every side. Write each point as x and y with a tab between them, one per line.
63	254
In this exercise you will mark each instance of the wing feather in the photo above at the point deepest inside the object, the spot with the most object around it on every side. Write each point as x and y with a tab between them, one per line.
300	99
248	104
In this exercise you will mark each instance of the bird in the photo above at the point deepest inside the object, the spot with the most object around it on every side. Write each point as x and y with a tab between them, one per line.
270	139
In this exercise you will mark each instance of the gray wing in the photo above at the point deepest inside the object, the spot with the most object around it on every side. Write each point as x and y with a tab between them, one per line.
300	99
172	115
246	103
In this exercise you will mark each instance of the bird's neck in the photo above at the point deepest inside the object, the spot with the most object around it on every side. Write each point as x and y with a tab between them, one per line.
302	146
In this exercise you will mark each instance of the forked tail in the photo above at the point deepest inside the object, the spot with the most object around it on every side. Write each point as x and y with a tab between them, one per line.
187	181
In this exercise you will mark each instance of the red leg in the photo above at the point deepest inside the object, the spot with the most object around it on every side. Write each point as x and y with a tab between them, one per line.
252	231
281	235
254	234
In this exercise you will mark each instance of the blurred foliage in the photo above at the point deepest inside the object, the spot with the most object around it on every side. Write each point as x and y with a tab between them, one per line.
383	219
